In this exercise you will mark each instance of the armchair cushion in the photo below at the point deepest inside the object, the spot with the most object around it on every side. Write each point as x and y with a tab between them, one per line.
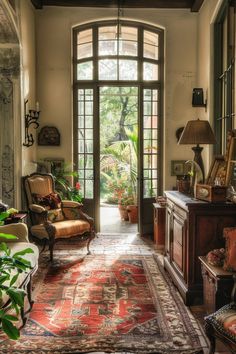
49	201
63	229
55	215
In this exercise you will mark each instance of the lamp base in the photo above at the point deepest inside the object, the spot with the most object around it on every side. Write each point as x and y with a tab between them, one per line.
198	159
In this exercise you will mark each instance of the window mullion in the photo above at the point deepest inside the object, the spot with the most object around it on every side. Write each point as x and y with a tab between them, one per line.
95	53
140	54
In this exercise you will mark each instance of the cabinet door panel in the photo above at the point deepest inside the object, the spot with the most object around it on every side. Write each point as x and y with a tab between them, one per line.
178	226
178	235
178	255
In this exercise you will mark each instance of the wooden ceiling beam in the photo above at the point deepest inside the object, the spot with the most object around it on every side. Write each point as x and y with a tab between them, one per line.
38	4
196	5
167	4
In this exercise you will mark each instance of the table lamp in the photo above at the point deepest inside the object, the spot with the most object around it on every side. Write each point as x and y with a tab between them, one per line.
197	132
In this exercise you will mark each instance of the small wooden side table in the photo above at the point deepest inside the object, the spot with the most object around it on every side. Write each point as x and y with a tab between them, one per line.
217	286
19	217
159	225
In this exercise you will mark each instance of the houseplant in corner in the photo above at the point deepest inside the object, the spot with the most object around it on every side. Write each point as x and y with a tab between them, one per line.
63	185
11	266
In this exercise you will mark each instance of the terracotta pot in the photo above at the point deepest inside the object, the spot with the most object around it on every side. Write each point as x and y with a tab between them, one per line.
123	212
133	213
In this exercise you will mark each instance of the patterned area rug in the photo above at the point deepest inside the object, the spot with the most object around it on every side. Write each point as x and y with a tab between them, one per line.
103	303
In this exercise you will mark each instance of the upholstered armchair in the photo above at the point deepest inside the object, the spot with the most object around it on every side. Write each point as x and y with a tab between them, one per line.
53	219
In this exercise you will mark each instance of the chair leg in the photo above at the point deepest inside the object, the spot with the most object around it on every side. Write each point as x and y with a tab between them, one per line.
92	236
88	243
29	293
210	335
44	245
51	246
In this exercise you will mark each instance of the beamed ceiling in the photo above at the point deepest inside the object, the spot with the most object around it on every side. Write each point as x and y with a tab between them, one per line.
192	5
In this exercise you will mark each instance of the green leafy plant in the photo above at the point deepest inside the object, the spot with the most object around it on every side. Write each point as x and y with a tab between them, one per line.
11	266
121	157
63	185
5	214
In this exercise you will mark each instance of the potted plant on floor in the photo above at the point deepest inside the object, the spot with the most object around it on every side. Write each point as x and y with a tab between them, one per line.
117	184
125	200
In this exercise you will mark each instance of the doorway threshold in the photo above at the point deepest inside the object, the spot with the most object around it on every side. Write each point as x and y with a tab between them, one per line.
111	223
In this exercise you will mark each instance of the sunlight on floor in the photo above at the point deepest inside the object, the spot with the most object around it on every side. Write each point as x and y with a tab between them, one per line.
111	222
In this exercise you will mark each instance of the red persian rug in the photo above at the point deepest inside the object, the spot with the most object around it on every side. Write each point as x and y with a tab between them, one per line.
104	303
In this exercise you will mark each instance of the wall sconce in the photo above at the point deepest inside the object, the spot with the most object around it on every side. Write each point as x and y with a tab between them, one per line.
30	118
198	98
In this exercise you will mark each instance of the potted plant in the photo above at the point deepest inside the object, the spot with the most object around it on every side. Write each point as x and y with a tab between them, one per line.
125	200
11	265
63	185
117	184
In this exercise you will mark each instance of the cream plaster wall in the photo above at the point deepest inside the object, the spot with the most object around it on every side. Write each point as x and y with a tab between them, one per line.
54	83
28	71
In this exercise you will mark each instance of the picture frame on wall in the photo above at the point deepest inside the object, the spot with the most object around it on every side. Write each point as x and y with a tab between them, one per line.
55	166
49	136
178	167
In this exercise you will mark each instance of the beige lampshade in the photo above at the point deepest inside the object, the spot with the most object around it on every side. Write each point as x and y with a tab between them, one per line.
197	132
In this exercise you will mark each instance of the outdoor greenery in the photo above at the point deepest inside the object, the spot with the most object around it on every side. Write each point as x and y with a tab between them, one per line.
11	266
119	144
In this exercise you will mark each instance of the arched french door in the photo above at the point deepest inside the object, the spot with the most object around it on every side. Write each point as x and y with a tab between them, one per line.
122	55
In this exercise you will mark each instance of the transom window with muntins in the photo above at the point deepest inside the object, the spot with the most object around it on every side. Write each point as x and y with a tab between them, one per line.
121	52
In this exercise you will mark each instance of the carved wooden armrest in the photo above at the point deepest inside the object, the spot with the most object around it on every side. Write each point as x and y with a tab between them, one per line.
87	218
39	212
35	208
71	204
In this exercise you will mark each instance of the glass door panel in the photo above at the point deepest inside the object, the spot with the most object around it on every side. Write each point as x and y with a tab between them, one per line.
149	157
85	145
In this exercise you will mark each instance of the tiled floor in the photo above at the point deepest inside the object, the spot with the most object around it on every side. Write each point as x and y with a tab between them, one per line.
110	221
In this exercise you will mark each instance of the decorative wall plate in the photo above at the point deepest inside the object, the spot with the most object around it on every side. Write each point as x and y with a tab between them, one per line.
49	136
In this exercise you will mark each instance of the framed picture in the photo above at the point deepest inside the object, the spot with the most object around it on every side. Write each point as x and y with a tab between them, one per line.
218	171
54	165
178	168
230	175
49	136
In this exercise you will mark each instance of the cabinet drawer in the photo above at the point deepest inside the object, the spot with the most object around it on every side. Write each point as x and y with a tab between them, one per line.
178	255
180	212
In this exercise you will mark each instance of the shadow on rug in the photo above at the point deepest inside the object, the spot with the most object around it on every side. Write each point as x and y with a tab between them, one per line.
103	303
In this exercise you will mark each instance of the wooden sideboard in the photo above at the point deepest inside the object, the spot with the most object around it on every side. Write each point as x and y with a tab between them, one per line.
193	228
